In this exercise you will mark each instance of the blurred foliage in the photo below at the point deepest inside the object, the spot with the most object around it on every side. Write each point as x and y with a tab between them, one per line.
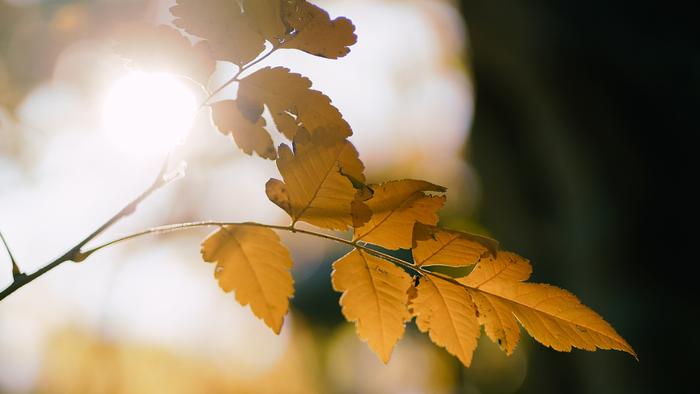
79	361
32	36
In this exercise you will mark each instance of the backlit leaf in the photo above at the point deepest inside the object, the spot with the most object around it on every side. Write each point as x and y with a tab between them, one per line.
315	189
248	136
252	262
314	32
446	312
396	206
496	315
291	101
375	294
553	316
164	49
222	23
266	17
437	246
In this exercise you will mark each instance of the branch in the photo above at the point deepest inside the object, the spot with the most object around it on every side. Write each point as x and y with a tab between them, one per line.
185	226
75	254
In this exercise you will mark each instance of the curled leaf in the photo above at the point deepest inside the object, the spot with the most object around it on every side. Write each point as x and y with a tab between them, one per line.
277	192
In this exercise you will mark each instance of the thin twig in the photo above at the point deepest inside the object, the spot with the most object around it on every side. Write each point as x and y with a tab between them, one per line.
15	269
183	226
75	254
235	77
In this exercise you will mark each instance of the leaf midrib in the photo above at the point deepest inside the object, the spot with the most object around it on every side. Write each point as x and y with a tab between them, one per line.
320	185
252	269
620	341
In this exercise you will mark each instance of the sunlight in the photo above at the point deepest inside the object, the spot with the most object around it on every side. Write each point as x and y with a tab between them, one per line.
147	114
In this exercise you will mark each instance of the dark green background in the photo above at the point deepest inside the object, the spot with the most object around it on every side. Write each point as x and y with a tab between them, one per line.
584	139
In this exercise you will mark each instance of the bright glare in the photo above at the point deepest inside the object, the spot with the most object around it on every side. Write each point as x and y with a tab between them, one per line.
148	113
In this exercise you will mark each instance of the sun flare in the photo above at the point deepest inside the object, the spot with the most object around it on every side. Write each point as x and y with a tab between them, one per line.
147	113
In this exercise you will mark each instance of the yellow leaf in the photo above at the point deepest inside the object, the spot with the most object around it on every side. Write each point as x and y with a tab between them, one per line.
248	136
315	189
252	262
375	294
438	246
315	32
266	17
553	316
277	192
506	267
164	49
495	314
292	103
396	206
223	24
446	312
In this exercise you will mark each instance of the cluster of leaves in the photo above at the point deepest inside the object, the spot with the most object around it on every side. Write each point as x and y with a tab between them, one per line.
323	184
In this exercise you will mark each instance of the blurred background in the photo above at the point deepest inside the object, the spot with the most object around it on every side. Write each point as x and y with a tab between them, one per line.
563	129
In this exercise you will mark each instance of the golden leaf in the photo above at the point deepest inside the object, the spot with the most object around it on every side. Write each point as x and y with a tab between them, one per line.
164	49
553	316
396	207
446	312
315	189
266	17
314	32
438	246
496	315
277	192
375	294
223	24
251	261
248	136
291	101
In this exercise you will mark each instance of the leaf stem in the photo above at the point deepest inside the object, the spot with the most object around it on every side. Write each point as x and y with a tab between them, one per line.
75	254
235	77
